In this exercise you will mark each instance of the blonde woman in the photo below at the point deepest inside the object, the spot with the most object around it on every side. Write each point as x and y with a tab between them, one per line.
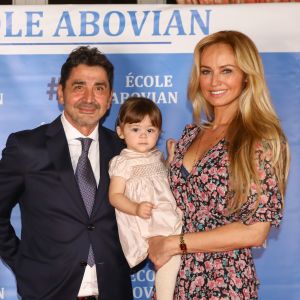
228	174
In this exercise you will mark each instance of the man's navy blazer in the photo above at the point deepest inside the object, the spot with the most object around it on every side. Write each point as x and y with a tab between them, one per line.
50	258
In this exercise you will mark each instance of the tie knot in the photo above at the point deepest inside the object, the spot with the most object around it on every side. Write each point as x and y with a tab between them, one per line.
85	143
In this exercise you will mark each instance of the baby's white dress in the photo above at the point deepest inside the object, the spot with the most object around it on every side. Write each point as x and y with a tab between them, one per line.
146	180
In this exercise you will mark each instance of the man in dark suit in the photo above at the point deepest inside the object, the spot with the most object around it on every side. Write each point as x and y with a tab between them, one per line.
60	232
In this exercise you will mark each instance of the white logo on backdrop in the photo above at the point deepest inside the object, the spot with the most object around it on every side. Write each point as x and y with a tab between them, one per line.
2	294
142	290
155	87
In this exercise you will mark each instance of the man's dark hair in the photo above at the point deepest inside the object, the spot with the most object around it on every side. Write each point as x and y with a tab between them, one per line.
87	56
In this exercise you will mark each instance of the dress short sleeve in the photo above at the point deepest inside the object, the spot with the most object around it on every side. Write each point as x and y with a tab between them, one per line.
118	166
270	204
189	131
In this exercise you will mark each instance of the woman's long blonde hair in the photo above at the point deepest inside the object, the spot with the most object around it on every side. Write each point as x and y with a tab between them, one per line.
256	120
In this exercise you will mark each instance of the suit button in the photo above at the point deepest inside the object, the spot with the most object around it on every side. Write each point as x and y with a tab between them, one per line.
83	263
91	227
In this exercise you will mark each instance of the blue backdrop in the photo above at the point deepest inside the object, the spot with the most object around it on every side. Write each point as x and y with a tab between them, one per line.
28	84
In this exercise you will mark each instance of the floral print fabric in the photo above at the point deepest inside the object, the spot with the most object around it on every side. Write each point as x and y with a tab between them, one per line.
201	195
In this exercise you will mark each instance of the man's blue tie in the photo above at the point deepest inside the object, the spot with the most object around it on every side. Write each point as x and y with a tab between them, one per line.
87	184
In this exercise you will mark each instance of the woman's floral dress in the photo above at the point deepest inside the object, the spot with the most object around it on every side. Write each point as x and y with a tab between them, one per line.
201	195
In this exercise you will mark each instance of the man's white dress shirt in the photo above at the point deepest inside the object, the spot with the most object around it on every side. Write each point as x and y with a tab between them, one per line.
89	285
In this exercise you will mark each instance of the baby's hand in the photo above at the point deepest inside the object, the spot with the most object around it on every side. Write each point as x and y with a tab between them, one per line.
144	209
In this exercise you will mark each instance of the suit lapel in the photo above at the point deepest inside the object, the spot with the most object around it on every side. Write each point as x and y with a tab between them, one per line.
104	153
59	154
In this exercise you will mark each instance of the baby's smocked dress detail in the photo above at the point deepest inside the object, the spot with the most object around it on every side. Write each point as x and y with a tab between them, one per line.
146	180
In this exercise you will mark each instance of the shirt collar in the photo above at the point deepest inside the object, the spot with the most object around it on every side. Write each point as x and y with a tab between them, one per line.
73	134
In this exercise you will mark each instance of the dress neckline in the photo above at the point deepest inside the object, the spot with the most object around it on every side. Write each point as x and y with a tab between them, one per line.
132	153
205	154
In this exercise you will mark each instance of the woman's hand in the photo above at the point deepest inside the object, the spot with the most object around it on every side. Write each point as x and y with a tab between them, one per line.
170	149
159	252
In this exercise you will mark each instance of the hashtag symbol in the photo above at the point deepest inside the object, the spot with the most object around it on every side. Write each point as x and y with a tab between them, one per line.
52	88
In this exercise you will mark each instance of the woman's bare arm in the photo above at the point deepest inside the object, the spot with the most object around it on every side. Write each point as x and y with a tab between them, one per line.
225	238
